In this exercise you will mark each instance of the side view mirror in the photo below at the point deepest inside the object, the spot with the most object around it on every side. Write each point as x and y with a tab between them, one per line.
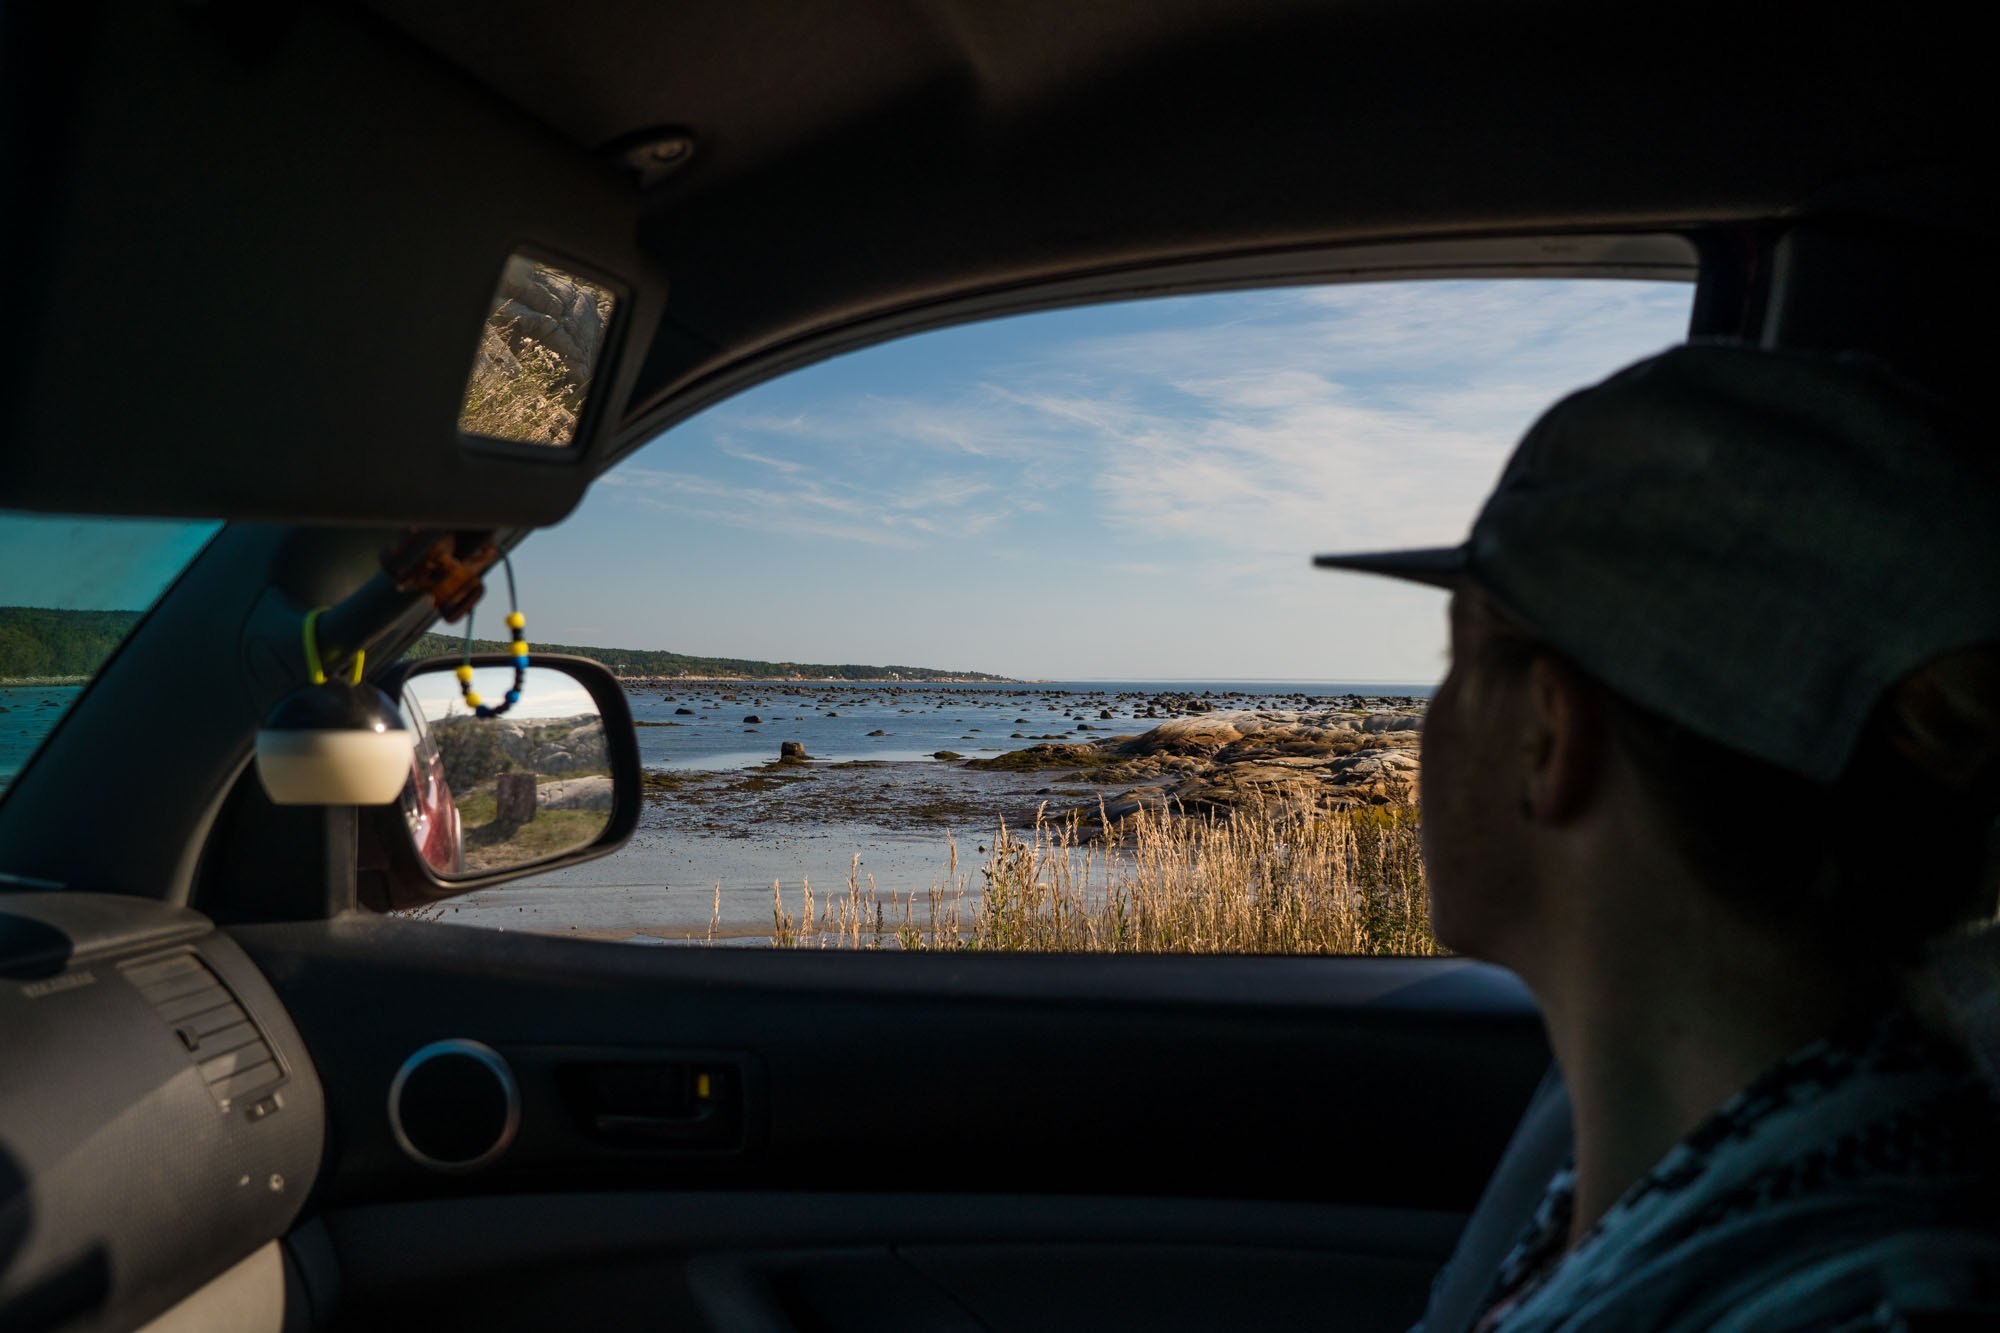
551	782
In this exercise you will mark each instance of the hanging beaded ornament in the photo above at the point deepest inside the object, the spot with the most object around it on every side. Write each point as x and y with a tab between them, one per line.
519	648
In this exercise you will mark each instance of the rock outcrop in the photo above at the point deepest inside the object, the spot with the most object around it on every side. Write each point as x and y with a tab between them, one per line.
595	792
581	749
544	304
1222	761
476	749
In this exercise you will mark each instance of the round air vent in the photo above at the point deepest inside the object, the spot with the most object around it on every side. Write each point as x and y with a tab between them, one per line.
454	1105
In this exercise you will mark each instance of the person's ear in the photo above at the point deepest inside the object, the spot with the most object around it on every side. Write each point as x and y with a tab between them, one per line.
1563	755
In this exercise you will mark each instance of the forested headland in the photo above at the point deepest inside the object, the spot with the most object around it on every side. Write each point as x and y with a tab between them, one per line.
43	643
36	642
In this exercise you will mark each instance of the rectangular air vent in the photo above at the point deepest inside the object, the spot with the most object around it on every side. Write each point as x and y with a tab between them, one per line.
234	1056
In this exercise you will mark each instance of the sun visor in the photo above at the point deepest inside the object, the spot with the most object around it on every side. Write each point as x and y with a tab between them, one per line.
256	286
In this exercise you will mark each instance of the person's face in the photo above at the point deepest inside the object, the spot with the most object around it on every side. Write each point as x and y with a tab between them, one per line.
1473	835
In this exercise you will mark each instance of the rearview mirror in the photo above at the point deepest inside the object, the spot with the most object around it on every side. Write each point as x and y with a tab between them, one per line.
552	781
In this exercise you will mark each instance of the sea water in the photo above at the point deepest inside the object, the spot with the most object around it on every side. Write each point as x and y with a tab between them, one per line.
30	711
838	721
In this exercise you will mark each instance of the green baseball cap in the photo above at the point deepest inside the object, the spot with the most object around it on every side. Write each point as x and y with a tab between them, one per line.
1754	543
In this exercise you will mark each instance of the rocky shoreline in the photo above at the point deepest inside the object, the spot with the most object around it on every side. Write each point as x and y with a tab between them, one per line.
1200	763
712	841
1214	763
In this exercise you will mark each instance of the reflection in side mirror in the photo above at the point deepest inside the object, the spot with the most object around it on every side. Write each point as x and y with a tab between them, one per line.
495	794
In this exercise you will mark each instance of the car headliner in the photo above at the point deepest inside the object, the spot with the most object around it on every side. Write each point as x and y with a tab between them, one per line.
303	168
920	148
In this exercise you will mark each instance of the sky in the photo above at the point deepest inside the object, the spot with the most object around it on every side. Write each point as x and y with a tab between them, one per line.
1120	492
1128	492
546	693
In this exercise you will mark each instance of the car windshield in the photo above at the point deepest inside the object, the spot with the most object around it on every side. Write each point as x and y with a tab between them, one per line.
71	590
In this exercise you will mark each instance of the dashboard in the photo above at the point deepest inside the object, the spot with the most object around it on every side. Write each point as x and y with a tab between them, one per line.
183	1145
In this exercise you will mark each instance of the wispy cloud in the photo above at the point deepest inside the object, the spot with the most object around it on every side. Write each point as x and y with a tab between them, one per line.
798	498
799	510
1353	416
787	466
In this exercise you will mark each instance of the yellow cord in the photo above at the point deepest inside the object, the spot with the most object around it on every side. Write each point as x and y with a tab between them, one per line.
315	669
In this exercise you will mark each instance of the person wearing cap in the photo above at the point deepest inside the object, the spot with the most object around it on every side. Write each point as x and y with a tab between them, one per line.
1715	766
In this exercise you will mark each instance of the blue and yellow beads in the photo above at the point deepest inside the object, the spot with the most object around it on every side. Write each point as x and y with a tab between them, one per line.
519	650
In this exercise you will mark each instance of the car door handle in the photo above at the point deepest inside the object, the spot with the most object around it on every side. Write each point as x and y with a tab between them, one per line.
660	1104
696	1128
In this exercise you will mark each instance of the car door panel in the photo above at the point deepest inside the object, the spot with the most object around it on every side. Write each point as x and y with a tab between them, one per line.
1017	1140
1370	1081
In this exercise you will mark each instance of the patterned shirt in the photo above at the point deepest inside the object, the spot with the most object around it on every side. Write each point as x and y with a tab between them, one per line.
1854	1186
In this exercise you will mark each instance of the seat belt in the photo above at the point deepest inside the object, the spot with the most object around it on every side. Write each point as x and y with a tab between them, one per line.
1541	1144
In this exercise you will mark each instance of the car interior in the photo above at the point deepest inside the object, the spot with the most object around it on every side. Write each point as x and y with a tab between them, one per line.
252	246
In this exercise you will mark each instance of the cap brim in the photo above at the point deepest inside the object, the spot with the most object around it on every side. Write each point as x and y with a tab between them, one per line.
1441	567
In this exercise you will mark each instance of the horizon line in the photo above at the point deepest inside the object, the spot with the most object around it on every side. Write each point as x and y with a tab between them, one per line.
1250	680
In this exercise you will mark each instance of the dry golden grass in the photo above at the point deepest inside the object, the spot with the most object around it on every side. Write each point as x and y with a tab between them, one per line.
1347	882
530	400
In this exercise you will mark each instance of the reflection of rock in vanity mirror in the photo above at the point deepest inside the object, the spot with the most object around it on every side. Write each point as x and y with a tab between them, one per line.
494	793
544	333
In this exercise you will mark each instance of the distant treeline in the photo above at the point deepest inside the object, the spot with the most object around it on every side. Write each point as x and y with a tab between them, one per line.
35	641
38	642
657	662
